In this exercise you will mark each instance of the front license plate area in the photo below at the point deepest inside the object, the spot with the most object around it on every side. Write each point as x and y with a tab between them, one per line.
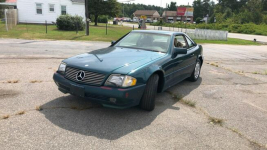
77	90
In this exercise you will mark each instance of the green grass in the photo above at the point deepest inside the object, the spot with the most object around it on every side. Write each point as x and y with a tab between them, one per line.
97	33
32	31
231	41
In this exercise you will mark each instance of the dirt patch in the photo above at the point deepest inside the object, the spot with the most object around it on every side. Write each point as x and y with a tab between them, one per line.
8	93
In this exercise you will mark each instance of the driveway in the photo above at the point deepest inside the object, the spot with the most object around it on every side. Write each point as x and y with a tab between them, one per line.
225	109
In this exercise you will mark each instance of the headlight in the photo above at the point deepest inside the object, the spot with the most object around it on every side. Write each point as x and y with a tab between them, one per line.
62	67
120	81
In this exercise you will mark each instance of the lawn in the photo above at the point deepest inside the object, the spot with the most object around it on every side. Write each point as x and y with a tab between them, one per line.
97	33
231	41
31	31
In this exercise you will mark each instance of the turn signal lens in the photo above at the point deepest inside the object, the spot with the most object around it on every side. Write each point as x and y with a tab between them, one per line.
129	81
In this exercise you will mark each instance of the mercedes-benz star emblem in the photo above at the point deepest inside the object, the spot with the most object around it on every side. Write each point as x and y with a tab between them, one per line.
80	75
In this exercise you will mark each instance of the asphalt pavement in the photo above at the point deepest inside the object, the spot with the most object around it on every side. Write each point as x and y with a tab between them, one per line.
230	109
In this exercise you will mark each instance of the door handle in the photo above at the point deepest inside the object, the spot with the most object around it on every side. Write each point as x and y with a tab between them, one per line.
192	55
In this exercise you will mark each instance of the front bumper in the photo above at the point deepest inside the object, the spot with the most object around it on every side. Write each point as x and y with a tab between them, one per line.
107	96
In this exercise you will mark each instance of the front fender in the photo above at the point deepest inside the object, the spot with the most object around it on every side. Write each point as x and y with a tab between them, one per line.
200	56
142	75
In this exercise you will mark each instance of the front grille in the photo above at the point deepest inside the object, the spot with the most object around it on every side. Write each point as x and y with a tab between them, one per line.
90	78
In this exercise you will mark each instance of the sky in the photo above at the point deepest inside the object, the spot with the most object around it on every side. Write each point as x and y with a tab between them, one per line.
158	2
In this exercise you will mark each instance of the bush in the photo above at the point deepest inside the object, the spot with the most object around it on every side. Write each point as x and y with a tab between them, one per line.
247	29
70	23
102	19
235	28
198	20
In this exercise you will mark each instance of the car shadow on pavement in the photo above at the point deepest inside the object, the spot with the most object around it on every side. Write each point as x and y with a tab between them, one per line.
84	117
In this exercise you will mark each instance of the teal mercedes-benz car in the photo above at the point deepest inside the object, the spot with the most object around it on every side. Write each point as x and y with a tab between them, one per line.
132	70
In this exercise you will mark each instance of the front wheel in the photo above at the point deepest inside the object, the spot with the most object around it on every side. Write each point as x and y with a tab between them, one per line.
196	73
149	96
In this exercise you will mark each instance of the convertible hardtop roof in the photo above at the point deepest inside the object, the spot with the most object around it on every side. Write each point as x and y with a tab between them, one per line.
158	32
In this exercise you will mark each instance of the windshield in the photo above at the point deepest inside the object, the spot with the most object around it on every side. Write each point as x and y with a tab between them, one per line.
146	41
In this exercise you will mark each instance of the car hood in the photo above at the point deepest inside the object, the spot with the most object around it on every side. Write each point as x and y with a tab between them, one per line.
113	60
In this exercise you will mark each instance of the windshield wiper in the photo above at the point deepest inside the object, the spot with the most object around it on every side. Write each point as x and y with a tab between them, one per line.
98	58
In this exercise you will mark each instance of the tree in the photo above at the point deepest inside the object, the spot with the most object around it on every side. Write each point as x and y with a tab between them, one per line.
206	7
1	9
255	8
264	6
172	6
100	7
234	5
203	8
198	9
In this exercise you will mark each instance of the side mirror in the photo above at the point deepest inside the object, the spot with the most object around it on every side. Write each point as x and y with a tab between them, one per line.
177	51
113	42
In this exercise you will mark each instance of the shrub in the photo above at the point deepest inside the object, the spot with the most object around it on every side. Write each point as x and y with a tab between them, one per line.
198	20
102	19
247	29
70	23
235	28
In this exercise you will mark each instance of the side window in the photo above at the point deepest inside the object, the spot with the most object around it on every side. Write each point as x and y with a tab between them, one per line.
179	41
63	10
39	8
51	8
190	43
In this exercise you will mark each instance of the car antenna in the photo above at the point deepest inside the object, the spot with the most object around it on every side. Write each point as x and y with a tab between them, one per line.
98	58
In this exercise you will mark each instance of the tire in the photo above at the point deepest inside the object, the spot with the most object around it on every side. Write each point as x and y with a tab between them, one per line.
149	96
196	73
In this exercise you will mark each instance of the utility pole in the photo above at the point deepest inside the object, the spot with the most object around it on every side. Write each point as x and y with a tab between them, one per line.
87	17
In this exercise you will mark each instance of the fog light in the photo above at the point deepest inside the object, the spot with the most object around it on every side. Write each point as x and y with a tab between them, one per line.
113	100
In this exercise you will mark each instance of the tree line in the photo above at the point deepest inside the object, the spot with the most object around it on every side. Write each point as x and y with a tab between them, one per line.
231	11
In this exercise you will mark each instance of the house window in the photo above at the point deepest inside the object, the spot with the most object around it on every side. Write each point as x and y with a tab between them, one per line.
63	10
51	7
39	9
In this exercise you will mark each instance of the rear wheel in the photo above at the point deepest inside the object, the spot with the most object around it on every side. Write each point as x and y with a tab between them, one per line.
196	73
149	96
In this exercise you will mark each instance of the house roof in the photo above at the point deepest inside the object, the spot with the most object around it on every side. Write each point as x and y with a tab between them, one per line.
145	12
170	13
78	1
11	1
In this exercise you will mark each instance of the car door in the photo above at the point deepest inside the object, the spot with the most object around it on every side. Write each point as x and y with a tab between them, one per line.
191	56
181	61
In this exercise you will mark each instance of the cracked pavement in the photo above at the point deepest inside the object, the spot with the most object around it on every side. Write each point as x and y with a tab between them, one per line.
230	92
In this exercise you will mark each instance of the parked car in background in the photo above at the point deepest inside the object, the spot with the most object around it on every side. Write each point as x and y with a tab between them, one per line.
148	20
135	19
133	69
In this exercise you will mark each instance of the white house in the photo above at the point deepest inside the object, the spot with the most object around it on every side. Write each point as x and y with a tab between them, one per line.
39	11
